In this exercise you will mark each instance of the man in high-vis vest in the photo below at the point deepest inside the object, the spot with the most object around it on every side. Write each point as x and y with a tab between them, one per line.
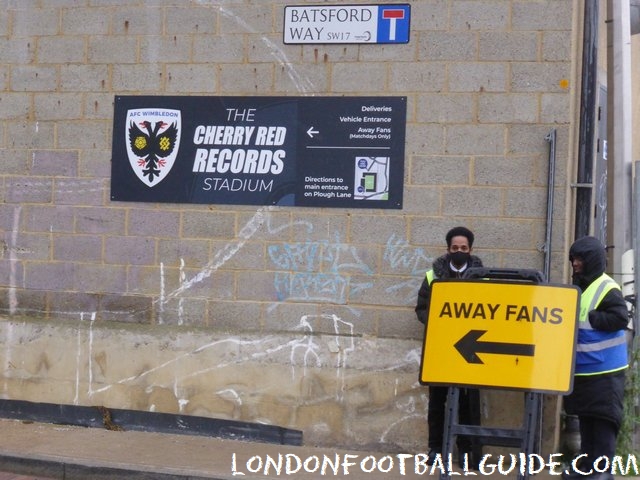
451	265
600	360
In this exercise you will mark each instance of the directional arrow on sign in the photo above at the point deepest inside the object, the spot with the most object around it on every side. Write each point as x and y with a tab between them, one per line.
311	132
470	346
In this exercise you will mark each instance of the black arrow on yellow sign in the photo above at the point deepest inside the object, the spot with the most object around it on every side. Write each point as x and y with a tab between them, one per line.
470	345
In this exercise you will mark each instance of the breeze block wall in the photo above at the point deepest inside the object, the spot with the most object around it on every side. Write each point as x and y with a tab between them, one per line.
298	317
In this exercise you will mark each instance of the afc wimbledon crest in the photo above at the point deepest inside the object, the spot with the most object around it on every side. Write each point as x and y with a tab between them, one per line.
153	138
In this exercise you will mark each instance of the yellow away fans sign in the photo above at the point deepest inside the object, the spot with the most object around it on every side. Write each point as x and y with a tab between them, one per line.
507	335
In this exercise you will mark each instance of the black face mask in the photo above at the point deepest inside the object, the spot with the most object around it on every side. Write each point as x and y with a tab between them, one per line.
459	258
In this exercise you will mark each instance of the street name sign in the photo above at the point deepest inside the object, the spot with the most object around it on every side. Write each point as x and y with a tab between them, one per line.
387	23
511	335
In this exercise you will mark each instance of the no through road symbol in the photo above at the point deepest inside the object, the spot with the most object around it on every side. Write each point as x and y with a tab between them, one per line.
500	334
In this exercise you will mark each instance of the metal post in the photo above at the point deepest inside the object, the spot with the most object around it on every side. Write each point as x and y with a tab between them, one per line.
551	138
619	74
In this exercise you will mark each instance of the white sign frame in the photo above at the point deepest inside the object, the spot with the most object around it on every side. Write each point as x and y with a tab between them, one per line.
327	24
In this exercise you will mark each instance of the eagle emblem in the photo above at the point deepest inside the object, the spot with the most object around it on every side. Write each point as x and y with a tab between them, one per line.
153	139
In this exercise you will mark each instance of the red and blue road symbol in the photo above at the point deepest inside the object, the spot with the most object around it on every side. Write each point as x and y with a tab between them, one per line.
393	23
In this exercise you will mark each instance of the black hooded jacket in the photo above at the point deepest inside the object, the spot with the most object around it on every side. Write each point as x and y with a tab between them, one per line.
612	313
598	395
441	269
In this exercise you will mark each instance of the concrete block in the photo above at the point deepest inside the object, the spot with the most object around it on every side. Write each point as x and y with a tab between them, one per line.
85	21
480	15
49	276
85	78
215	49
440	170
162	49
252	256
200	20
209	283
36	21
174	310
4	22
122	308
475	139
25	302
246	79
448	46
472	201
233	316
95	106
246	18
77	248
55	163
542	15
431	77
31	247
505	233
14	106
418	200
496	46
526	203
117	50
360	77
192	79
146	280
91	134
442	108
10	219
556	46
478	77
389	53
132	20
375	230
402	322
130	251
29	190
261	47
92	278
17	51
555	108
100	220
505	171
508	108
425	139
318	227
381	292
289	78
140	77
174	252
4	78
539	77
62	50
145	222
29	78
528	139
430	232
208	225
73	305
434	15
71	191
323	54
14	162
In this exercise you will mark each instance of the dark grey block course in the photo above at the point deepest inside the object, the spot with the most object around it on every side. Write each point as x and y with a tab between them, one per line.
126	308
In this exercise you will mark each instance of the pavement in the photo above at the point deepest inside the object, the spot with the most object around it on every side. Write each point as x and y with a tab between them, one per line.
31	450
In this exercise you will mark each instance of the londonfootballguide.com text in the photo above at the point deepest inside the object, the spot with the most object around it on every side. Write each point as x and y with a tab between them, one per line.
339	465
